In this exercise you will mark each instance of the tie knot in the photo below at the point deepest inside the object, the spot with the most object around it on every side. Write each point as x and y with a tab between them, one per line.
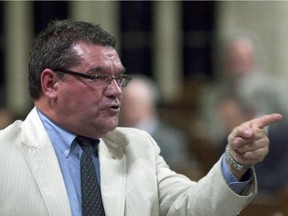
84	141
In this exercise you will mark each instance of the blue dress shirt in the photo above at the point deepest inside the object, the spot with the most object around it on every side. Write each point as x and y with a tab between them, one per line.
69	154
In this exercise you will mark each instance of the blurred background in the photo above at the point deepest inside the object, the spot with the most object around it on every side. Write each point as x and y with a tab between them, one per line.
177	44
171	41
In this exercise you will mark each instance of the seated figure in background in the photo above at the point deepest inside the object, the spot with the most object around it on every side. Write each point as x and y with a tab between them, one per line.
139	110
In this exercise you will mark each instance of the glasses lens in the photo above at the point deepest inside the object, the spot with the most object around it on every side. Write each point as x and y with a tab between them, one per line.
105	80
101	80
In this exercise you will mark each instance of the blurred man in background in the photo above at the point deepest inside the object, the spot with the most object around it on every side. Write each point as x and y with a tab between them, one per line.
140	110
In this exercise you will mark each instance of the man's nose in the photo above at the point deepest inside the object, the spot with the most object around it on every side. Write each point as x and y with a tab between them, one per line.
114	88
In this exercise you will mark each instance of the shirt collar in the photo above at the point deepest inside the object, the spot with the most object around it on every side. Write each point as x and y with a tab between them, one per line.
61	138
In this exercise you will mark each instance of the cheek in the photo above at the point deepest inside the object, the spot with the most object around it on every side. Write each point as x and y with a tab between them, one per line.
73	101
79	100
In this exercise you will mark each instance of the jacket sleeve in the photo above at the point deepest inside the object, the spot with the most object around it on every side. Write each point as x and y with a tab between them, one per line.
211	195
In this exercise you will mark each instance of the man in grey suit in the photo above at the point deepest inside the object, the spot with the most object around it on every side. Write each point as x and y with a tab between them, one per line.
76	79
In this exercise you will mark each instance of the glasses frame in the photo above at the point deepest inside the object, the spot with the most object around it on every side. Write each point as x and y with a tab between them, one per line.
123	82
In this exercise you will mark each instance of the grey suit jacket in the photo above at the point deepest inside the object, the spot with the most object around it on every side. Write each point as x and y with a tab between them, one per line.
135	180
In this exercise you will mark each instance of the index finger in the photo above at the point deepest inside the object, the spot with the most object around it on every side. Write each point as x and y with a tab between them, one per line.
265	120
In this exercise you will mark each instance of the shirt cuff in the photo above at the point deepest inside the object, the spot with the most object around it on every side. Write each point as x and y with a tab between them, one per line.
235	185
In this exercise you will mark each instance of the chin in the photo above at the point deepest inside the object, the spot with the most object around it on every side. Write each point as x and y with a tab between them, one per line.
106	124
111	126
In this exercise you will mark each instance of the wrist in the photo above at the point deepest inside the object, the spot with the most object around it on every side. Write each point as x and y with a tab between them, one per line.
235	165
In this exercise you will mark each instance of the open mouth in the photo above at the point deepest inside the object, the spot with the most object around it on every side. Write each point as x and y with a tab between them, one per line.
115	108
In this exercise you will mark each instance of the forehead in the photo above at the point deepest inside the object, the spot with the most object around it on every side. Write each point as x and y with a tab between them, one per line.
98	56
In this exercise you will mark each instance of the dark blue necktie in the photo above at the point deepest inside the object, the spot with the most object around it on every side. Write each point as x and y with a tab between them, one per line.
90	192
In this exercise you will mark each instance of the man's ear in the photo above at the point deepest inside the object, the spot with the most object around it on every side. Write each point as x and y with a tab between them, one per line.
49	81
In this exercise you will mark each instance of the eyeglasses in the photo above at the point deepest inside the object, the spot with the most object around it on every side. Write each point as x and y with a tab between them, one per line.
101	80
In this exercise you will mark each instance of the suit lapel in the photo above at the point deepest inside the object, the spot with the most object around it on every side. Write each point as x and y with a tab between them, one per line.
113	177
44	166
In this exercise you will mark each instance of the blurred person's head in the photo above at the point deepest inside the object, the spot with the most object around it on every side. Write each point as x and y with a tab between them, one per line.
239	58
239	55
139	101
